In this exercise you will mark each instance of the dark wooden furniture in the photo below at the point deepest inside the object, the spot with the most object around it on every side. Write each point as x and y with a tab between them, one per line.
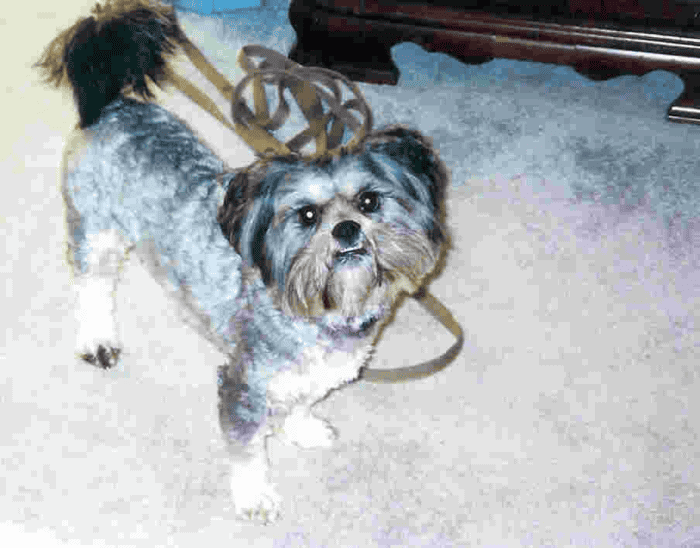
600	39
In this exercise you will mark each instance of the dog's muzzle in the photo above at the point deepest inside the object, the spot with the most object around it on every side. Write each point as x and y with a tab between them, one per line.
350	238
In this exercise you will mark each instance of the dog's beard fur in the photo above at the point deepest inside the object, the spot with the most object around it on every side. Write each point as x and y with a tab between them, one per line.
388	261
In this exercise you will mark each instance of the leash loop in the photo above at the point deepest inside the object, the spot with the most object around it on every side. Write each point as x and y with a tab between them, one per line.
310	87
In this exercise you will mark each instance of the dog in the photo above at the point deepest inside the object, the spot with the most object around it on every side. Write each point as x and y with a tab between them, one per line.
290	265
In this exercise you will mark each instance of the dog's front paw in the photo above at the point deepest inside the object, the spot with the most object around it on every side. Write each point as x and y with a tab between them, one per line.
253	496
105	358
307	431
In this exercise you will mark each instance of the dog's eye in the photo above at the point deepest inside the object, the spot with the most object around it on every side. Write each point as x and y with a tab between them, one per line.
308	215
369	202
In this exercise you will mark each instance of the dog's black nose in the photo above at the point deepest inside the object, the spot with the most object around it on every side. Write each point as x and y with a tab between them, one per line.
347	233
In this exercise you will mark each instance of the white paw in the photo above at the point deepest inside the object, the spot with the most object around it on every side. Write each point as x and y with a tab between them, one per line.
97	341
253	496
104	357
307	431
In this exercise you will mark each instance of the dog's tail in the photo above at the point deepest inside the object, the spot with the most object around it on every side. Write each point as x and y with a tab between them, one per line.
114	49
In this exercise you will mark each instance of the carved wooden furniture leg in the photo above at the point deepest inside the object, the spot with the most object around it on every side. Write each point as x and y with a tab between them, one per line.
687	107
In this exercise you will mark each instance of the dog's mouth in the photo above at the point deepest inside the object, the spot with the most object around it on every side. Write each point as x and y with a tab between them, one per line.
345	286
350	255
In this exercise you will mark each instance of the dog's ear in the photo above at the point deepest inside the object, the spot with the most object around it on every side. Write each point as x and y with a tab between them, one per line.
246	213
415	152
232	211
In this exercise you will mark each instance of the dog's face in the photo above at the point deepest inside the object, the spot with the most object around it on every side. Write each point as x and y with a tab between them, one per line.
341	236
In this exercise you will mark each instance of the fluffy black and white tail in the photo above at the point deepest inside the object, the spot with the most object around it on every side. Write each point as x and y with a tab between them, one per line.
114	49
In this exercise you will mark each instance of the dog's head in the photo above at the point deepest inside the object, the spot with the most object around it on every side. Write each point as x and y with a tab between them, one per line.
344	235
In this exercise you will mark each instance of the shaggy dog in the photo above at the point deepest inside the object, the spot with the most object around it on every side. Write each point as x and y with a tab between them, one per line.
289	266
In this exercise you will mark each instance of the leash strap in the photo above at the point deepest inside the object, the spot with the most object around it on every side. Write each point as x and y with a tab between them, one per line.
254	128
427	368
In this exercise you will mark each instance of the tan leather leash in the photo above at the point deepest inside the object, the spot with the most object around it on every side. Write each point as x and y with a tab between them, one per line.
426	368
309	86
254	129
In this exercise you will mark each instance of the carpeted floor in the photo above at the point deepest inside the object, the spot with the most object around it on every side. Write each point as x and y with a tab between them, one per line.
571	417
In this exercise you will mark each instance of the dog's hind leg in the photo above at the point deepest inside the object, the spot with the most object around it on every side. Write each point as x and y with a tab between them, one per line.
97	338
243	414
